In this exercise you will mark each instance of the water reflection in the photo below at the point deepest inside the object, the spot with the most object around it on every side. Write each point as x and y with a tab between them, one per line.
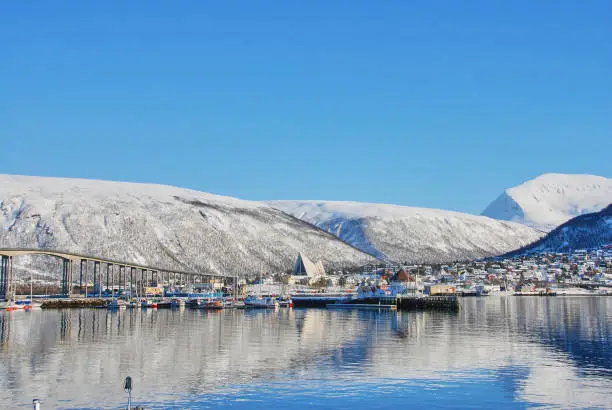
551	351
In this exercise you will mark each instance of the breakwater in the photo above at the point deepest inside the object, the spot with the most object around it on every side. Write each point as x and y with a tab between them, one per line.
73	303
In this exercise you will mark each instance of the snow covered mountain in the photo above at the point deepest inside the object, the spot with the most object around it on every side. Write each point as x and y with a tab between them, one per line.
582	232
551	199
411	234
159	225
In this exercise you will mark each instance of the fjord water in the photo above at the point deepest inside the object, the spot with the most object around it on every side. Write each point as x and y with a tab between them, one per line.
497	352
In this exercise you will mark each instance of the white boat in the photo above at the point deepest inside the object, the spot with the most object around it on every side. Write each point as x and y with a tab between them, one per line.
29	304
260	302
9	305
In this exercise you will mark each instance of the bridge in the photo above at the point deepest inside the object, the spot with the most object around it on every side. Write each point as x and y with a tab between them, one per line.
117	277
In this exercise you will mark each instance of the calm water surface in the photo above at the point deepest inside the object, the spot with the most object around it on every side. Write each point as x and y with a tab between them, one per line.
497	352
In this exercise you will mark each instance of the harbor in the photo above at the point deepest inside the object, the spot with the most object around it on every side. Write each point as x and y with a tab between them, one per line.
189	358
310	286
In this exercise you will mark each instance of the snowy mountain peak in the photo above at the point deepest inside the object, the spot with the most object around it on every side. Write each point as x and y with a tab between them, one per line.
549	200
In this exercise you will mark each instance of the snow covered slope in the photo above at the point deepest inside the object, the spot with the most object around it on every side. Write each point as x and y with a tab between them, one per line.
582	232
551	199
159	226
411	234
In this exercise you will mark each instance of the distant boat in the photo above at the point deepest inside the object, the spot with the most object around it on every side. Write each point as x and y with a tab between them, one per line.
148	304
212	304
9	305
320	299
285	302
177	303
116	304
29	304
260	302
134	304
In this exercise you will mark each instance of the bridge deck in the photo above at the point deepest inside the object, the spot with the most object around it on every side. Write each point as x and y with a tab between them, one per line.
77	257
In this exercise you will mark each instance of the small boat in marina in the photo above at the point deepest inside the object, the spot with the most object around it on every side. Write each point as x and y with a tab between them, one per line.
147	304
254	301
177	303
232	303
319	299
116	304
134	304
196	303
212	304
285	302
10	306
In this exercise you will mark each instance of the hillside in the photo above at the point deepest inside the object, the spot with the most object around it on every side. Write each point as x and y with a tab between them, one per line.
411	234
551	199
582	232
160	226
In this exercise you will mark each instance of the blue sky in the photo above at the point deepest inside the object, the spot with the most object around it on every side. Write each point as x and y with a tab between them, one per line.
429	103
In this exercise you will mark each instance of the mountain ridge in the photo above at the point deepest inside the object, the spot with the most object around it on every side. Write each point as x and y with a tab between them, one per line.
401	233
585	231
162	225
551	199
155	225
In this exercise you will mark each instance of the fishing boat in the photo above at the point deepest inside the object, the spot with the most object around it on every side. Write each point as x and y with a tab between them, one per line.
266	302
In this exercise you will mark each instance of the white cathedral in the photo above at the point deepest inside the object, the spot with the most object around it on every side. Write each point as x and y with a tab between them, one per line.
306	270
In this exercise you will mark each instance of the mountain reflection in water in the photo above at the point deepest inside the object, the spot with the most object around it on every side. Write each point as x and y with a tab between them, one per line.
505	352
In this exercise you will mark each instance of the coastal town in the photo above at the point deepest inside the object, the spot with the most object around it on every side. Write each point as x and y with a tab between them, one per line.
578	272
586	272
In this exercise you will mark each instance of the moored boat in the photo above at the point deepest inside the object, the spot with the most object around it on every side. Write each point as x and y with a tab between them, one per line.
254	301
10	306
116	304
134	304
177	303
319	299
285	302
212	304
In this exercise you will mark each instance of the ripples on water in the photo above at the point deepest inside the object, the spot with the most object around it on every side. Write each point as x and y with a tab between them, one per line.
495	353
